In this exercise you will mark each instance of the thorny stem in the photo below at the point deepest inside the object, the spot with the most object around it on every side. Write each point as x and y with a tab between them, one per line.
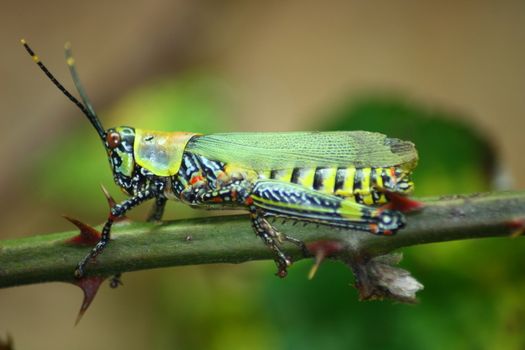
230	239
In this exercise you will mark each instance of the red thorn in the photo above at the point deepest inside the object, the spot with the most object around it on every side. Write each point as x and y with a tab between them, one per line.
330	247
517	226
87	236
89	286
319	258
112	203
322	249
401	203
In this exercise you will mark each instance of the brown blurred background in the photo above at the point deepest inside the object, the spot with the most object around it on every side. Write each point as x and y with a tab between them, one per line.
281	65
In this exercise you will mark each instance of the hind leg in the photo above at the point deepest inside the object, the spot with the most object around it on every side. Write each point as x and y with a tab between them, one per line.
297	202
271	238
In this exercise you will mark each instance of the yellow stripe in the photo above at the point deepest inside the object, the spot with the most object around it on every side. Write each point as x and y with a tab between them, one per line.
306	177
378	178
365	180
293	206
350	210
284	175
377	185
328	182
348	186
365	186
265	174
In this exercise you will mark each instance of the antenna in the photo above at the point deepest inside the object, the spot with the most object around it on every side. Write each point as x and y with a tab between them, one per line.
87	109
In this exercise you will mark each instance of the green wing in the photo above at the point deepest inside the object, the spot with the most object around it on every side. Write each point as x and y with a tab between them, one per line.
265	151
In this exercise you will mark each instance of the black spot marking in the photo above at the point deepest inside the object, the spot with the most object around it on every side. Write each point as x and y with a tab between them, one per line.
295	175
358	184
340	178
358	179
318	178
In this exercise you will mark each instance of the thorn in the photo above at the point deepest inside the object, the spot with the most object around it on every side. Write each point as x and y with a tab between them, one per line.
109	198
517	226
401	203
112	203
319	258
89	286
322	249
87	236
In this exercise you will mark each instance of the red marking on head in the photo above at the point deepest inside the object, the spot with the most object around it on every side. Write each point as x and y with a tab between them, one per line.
88	235
401	203
217	200
248	201
89	286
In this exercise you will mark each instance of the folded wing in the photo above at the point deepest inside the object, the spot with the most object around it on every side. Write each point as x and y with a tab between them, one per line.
264	151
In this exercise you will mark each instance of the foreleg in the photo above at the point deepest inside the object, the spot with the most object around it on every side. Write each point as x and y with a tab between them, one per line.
116	212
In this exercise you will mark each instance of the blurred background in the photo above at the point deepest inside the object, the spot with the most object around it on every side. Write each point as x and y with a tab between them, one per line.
450	76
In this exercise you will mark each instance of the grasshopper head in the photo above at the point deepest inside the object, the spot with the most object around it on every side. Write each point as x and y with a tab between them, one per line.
119	145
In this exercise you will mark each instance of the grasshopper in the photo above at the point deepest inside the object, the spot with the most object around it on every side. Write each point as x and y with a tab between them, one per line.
338	178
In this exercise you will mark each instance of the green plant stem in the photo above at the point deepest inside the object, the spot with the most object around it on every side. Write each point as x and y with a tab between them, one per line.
230	239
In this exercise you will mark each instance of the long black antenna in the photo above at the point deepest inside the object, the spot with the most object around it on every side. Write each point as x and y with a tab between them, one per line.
87	109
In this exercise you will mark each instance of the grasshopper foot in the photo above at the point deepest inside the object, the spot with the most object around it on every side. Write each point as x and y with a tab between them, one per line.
79	272
115	280
271	237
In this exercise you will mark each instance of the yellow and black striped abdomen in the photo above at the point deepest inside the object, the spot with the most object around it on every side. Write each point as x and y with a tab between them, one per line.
364	185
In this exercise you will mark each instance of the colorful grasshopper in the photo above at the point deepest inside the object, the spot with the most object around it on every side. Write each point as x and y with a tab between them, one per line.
337	179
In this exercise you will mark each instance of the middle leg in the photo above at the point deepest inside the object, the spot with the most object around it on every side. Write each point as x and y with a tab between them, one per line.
239	193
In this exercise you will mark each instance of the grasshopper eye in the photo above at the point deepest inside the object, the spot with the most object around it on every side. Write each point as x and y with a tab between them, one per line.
113	139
